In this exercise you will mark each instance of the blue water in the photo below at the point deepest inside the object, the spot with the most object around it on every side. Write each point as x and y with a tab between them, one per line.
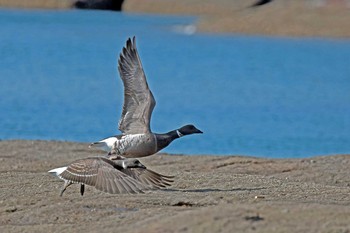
251	95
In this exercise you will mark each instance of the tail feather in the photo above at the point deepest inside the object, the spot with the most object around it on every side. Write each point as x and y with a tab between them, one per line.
57	171
94	144
105	144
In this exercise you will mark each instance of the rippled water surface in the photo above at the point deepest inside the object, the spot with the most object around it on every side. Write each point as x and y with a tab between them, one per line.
262	96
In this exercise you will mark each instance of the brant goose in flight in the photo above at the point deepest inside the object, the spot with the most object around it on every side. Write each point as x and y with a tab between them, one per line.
137	139
114	175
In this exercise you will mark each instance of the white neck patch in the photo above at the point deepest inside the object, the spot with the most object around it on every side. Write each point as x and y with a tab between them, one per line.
179	134
124	165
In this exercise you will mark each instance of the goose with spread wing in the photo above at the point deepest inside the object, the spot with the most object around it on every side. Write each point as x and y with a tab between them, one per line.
115	176
137	139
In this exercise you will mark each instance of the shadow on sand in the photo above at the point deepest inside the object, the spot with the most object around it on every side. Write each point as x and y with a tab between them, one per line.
207	190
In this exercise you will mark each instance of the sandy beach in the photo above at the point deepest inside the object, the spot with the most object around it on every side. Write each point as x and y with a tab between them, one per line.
307	18
210	194
278	18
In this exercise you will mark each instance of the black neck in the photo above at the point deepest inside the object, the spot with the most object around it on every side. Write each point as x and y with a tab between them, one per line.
163	140
173	134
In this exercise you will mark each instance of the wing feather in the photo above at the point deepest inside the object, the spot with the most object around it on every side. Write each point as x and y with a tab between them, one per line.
138	98
101	173
149	177
113	181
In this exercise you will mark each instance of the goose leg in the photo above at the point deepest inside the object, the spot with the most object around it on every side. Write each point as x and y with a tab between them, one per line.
67	183
82	189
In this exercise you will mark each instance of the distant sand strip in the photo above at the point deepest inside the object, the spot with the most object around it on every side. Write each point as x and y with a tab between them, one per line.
309	18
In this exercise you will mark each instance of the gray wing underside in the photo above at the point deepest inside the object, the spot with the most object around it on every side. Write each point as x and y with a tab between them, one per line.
103	176
138	99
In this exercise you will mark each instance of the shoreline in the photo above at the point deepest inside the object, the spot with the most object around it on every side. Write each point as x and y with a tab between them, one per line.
210	194
242	155
278	18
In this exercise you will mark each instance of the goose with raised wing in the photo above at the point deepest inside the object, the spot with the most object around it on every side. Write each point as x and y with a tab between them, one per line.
115	176
137	139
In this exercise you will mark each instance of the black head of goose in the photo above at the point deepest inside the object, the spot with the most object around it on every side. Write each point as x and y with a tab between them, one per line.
115	176
137	139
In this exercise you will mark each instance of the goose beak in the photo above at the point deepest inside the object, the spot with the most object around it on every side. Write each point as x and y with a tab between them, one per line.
199	131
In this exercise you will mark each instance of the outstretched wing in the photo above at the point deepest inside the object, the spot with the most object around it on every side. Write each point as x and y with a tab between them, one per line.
101	174
82	171
138	99
149	177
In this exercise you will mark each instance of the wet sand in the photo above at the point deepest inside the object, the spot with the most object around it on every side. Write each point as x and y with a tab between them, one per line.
210	194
